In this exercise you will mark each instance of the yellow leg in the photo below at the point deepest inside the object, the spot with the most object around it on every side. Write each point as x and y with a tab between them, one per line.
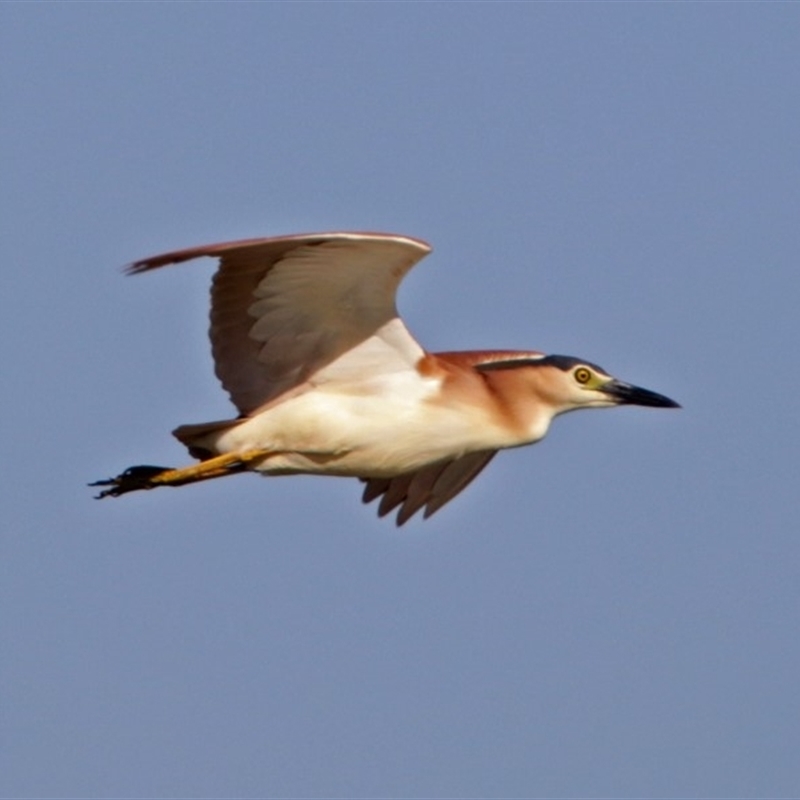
146	477
210	468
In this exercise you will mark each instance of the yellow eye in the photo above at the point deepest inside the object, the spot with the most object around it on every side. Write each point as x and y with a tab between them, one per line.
582	375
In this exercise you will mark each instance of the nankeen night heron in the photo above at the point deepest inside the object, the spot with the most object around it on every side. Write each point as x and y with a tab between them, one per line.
307	341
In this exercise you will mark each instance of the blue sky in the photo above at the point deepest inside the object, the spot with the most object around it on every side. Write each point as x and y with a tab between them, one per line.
613	612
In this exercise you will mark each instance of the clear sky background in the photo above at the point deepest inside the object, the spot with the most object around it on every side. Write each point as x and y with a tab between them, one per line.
613	612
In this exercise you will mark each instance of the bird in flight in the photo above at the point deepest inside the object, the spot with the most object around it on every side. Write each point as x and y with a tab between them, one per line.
327	379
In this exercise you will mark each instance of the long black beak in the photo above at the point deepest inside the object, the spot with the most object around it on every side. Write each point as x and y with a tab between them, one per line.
625	393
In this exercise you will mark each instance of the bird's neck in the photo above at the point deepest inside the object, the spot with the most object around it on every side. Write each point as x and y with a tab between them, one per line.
506	399
513	396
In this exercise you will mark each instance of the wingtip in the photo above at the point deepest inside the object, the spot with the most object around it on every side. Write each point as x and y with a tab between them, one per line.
134	268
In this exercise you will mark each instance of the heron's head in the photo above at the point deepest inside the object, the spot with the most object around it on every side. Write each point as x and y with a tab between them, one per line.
568	383
557	384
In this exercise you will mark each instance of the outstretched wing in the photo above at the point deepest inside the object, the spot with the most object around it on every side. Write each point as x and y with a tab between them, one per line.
431	486
284	308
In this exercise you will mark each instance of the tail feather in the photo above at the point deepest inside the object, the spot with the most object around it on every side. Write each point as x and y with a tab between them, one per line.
194	436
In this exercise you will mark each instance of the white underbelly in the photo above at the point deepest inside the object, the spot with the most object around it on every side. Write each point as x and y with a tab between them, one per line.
377	434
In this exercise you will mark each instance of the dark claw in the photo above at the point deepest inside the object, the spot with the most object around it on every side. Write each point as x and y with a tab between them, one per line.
133	479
